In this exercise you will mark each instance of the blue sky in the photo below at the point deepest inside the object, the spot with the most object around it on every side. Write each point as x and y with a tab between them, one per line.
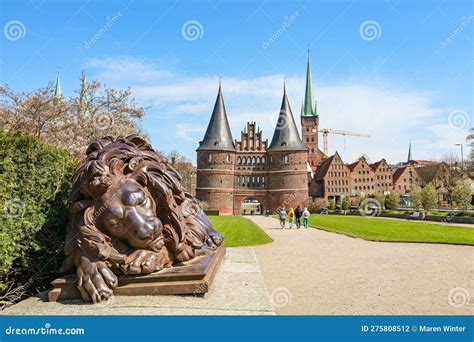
397	70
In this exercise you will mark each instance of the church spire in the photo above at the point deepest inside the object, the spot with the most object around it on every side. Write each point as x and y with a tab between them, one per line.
285	136
410	157
58	90
83	95
308	96
218	135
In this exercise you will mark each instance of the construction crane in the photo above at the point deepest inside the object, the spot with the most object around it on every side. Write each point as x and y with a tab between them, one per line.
326	131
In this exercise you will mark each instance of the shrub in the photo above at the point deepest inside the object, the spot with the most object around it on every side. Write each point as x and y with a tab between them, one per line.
34	186
332	204
380	198
358	199
316	206
417	197
462	195
392	200
346	203
430	197
425	198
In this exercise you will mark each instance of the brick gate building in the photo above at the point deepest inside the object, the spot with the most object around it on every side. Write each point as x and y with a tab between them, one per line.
230	172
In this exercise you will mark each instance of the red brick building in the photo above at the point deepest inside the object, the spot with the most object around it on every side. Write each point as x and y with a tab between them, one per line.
332	179
232	174
310	124
383	176
362	178
405	179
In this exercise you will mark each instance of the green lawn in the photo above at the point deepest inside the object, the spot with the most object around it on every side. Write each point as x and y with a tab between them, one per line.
239	231
380	229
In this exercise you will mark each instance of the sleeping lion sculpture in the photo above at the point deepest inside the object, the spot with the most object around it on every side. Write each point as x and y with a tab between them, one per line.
131	215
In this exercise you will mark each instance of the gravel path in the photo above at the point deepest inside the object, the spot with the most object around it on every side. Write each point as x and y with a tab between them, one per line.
310	271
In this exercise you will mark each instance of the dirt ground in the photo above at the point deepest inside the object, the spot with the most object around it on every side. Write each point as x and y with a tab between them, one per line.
310	271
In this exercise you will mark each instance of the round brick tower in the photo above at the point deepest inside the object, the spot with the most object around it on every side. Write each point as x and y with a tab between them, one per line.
215	162
287	163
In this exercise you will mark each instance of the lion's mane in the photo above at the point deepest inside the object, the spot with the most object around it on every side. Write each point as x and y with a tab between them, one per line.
186	227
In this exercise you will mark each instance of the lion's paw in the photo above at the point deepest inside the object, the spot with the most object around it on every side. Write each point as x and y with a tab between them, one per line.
95	281
145	261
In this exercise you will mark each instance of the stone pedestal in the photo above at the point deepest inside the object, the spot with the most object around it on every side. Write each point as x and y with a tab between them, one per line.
193	277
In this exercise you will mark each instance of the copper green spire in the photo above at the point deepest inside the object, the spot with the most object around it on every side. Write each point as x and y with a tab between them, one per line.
58	90
83	95
308	96
409	153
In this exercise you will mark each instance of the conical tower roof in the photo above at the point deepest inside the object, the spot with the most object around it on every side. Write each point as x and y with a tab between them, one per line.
58	90
286	137
308	96
218	136
410	157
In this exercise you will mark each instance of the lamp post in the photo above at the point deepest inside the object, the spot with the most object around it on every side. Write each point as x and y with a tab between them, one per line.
462	157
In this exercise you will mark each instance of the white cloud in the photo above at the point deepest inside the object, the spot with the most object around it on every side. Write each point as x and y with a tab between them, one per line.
182	104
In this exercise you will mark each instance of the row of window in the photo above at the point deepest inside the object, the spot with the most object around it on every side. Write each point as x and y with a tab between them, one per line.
338	182
333	190
250	181
383	176
363	180
250	160
363	187
410	180
337	174
210	158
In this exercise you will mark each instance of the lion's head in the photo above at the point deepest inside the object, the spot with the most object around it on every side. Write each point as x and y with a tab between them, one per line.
126	197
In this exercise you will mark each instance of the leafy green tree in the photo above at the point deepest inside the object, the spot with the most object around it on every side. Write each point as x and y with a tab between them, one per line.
346	203
429	197
359	199
462	195
392	200
380	198
417	197
332	204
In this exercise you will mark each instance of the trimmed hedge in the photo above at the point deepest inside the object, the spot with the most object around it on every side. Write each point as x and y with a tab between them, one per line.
35	182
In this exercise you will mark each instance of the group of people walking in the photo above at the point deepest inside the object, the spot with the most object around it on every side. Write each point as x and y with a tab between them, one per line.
294	216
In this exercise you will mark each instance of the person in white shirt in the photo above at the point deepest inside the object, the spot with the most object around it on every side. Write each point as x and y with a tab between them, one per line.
305	217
